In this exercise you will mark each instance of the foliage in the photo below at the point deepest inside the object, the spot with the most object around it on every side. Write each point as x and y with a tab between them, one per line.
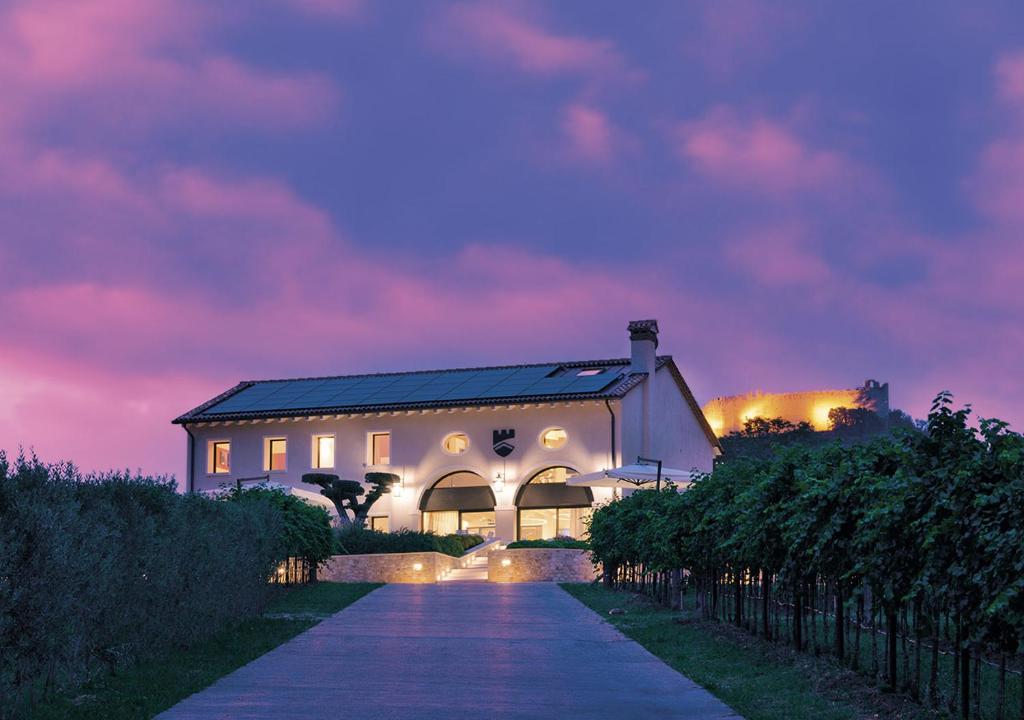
345	494
565	543
856	420
469	540
99	571
156	684
761	427
360	541
306	529
919	534
762	437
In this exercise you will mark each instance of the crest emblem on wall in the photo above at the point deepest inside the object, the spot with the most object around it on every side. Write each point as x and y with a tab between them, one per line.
503	442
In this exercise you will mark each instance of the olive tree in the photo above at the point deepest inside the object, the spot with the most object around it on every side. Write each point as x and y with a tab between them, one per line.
345	494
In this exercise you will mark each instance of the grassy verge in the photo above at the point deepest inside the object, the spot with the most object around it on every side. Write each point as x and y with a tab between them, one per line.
155	685
760	680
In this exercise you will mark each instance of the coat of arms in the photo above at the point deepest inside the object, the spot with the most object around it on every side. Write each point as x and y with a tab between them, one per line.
503	442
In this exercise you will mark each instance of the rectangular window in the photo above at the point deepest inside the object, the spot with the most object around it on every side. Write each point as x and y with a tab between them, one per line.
380	448
275	454
441	522
323	451
380	523
220	458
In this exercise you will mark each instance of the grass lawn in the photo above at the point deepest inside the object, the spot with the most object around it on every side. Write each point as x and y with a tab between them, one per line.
155	685
760	680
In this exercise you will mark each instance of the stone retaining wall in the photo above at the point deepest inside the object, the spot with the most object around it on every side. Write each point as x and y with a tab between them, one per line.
540	565
413	567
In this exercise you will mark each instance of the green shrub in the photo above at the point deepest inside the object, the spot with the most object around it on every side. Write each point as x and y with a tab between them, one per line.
469	541
360	541
306	531
99	571
563	543
919	528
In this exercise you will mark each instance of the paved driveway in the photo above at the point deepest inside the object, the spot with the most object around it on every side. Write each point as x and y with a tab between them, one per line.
457	650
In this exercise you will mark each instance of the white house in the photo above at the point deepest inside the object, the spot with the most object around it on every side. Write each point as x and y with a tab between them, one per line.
483	450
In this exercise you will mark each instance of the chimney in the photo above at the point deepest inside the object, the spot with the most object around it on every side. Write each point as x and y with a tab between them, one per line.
643	346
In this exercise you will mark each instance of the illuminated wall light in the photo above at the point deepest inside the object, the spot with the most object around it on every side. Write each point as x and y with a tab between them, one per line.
506	562
417	566
752	412
820	416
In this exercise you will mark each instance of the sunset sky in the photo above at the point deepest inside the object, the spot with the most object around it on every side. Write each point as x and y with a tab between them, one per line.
804	195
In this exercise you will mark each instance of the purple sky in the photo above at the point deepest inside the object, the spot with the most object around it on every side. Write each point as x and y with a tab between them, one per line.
194	193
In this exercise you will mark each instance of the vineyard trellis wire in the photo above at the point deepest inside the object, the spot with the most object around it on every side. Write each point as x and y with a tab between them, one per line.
903	558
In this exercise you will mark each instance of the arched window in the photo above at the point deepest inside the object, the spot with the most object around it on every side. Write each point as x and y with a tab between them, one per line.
547	508
459	502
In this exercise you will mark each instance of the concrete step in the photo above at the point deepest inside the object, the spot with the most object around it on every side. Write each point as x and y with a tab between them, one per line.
467	574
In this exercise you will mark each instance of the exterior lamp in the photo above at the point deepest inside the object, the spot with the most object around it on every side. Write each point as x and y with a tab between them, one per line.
417	566
506	562
499	482
397	488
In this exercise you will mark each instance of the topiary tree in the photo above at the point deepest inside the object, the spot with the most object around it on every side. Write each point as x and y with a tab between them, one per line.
345	494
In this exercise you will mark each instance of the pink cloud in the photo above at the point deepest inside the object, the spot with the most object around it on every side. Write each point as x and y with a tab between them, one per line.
127	63
589	133
779	257
731	33
122	418
997	184
510	36
758	154
1009	75
334	9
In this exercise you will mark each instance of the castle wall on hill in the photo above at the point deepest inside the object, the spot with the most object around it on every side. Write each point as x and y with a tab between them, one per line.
727	414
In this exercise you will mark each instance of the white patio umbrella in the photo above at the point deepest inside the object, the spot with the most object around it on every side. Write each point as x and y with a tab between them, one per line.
633	477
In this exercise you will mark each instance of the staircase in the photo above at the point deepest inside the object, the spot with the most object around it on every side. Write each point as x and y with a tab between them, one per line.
474	571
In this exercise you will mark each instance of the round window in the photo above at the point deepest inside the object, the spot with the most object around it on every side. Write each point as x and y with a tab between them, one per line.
455	443
554	438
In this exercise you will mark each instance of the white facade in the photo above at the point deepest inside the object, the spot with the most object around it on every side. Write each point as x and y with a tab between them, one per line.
601	434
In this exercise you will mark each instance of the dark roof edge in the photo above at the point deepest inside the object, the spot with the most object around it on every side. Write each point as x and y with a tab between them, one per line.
185	417
698	412
628	383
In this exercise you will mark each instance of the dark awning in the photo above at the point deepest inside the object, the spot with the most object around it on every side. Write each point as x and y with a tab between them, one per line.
477	497
546	495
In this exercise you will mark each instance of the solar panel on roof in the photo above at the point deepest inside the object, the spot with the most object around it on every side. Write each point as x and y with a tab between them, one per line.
357	391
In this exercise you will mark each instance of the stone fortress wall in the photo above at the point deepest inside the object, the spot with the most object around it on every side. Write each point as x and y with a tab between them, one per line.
727	414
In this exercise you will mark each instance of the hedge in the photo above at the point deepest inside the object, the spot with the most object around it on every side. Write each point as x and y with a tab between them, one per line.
556	543
306	529
98	571
903	557
360	541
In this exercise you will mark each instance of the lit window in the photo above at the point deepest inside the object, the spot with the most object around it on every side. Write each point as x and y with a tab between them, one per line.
380	523
456	443
220	457
554	438
380	448
587	372
275	454
323	451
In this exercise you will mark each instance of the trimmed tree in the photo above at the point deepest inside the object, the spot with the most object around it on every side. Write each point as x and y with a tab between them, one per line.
345	494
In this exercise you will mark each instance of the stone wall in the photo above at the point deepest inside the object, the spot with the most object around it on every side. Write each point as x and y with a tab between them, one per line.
414	567
727	414
540	565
